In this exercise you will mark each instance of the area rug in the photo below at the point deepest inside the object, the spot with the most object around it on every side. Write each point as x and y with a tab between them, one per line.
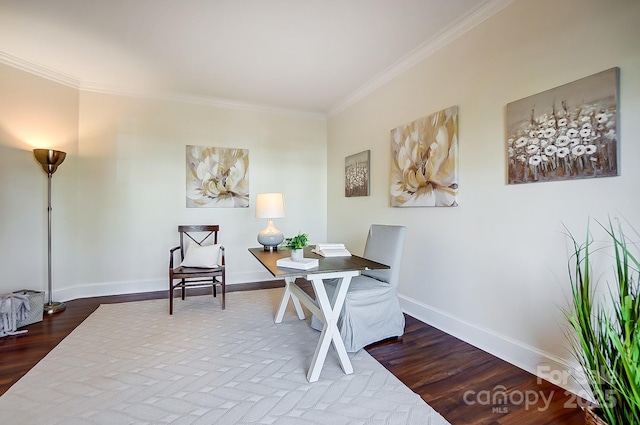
132	363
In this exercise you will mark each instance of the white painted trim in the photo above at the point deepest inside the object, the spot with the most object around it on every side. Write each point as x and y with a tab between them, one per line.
40	71
102	289
77	84
200	100
426	49
530	359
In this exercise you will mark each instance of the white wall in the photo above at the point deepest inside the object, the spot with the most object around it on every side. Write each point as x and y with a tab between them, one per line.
35	113
131	184
120	195
493	270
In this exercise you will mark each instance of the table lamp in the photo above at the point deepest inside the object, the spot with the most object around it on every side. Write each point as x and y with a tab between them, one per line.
270	206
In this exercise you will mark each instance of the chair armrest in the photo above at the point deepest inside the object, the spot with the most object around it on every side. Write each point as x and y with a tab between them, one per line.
171	251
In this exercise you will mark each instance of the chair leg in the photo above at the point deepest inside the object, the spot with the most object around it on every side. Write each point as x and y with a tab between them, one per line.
184	289
223	291
214	286
170	298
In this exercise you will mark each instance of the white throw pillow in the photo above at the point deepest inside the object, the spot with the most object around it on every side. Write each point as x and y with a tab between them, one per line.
201	256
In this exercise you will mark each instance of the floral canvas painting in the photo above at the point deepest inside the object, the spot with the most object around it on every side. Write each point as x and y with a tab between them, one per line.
356	174
217	177
568	132
424	161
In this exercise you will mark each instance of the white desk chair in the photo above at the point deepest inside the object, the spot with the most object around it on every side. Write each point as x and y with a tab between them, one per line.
371	310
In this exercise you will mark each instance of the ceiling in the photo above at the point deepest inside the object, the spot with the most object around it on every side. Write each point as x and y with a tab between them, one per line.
307	55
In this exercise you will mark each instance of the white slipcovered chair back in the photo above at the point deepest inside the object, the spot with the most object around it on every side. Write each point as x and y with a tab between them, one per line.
384	245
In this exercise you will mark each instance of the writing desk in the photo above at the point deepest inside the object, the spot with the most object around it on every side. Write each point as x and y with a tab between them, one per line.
328	311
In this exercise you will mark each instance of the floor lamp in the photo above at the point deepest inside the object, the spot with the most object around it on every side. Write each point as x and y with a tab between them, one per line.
50	160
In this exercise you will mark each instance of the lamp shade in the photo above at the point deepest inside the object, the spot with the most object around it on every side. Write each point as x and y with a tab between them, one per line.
49	159
269	205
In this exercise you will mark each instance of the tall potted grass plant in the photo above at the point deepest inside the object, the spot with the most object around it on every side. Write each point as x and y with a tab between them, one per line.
606	341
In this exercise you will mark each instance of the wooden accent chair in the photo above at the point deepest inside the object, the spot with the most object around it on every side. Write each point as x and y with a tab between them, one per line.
201	261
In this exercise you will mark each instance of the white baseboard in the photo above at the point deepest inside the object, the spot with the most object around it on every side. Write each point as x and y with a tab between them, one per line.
101	289
539	363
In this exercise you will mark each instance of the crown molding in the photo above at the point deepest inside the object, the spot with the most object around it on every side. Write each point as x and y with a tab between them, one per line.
200	100
422	52
40	71
79	85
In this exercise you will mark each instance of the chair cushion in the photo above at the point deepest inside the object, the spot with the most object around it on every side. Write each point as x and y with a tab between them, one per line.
201	256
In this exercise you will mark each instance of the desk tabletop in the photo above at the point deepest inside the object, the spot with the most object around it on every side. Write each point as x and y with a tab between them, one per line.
326	264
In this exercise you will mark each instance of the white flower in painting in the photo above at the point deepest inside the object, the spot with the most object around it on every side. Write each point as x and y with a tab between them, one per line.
545	158
521	142
541	133
590	149
544	143
602	118
522	158
587	125
578	150
425	174
562	141
549	132
218	177
534	141
533	133
562	152
550	150
535	160
533	149
562	122
572	132
575	142
585	132
551	123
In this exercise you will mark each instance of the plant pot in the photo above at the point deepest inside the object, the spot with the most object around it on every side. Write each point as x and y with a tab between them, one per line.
297	254
591	416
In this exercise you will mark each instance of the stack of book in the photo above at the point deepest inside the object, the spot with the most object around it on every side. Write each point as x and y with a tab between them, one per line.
331	250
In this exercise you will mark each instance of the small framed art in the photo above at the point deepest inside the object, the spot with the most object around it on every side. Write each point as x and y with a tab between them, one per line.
356	174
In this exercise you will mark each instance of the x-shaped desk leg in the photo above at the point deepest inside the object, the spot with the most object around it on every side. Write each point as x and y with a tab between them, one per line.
289	282
328	311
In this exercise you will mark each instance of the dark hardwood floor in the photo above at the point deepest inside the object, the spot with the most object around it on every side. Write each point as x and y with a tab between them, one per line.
464	384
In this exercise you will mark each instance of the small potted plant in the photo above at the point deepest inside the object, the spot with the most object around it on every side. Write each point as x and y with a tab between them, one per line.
296	244
606	341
